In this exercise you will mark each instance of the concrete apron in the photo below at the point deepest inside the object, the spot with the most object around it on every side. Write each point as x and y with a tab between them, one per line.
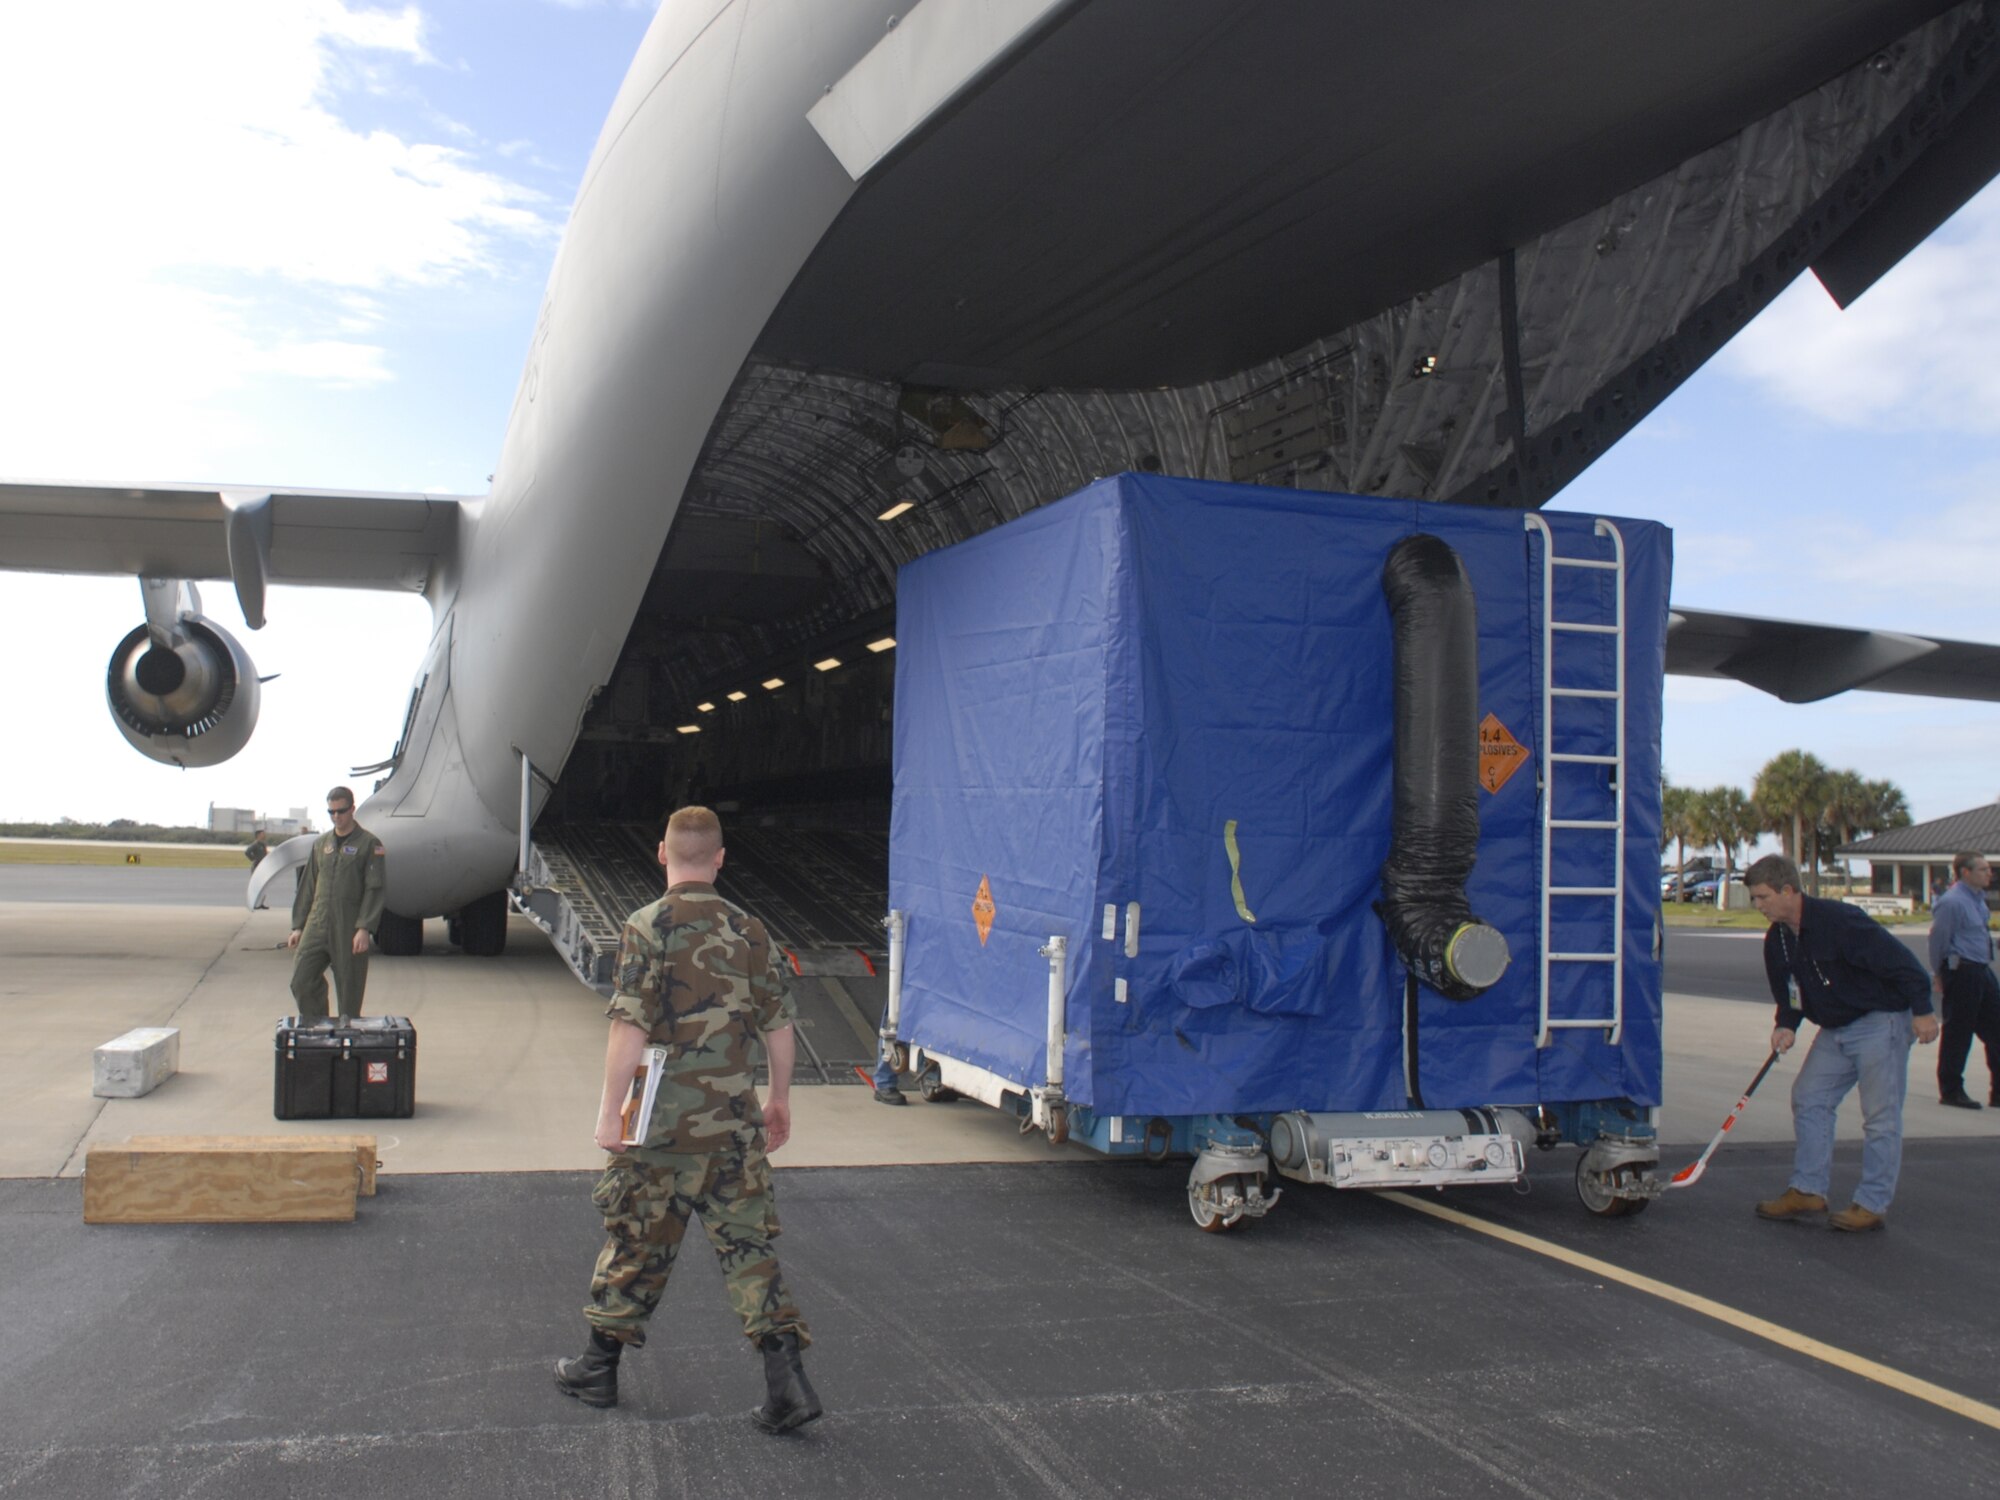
510	1056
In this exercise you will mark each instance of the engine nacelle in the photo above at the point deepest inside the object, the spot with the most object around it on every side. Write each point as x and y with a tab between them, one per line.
189	705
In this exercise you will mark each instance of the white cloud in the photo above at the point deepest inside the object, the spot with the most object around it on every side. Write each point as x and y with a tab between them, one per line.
1913	353
200	218
1909	559
1914	563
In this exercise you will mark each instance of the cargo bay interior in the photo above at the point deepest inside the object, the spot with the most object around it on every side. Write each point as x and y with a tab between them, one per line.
1003	369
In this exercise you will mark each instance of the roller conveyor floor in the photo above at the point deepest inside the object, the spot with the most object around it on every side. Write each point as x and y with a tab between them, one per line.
820	894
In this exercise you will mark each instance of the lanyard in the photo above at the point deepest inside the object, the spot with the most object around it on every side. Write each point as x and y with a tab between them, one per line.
1785	937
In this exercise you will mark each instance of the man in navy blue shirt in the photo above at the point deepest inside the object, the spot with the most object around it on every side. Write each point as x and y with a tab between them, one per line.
1836	966
1962	976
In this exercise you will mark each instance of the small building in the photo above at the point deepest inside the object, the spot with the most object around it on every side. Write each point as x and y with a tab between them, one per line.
1916	861
284	828
231	819
245	821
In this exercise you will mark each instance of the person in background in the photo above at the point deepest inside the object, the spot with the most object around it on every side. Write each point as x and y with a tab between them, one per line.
255	852
1962	978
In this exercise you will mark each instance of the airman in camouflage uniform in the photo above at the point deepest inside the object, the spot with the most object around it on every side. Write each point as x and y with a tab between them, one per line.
700	979
336	911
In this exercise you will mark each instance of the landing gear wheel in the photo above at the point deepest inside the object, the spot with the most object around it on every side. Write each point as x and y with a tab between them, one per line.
1058	1129
1205	1201
399	936
932	1087
1597	1191
482	926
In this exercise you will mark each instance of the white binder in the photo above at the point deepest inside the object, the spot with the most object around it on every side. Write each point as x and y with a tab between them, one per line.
638	1111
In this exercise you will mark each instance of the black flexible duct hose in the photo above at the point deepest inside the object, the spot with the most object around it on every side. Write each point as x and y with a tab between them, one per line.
1435	835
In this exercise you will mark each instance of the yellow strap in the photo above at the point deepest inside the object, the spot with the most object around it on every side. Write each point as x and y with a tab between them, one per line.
1236	871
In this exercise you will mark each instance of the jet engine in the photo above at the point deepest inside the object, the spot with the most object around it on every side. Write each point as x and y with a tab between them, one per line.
185	695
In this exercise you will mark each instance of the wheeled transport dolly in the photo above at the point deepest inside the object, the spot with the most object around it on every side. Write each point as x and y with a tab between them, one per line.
1312	836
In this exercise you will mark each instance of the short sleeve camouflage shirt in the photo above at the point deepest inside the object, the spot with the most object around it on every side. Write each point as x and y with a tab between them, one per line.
699	976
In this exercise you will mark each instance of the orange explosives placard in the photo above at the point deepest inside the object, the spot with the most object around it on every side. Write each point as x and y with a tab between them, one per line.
982	911
1500	754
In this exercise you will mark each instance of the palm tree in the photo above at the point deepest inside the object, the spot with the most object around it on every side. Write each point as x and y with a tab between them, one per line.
1846	809
1790	793
1677	825
1884	807
1731	822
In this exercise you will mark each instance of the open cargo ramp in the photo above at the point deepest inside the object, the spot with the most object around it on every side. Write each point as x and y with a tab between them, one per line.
819	892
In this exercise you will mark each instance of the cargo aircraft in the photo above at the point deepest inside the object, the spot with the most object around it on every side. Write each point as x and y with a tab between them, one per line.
847	280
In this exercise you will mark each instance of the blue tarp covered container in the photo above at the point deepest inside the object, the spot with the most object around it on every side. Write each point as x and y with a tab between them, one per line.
1179	695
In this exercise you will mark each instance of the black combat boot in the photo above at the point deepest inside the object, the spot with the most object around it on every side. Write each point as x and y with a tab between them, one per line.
790	1400
592	1377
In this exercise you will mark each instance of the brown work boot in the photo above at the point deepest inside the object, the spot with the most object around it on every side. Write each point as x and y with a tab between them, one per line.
1791	1204
1854	1218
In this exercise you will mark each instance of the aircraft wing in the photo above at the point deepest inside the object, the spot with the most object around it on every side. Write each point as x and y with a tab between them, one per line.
250	535
1803	663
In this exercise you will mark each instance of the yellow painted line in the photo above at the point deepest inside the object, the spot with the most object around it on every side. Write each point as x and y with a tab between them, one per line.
1763	1328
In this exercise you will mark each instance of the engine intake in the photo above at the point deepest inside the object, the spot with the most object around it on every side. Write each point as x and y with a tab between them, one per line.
191	704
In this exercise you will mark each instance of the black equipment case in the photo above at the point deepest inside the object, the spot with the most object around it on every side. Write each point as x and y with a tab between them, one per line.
346	1069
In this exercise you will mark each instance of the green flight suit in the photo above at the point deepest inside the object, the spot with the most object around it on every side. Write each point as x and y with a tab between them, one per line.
340	893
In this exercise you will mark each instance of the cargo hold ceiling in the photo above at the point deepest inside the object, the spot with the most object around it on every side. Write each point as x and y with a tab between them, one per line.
1164	194
859	430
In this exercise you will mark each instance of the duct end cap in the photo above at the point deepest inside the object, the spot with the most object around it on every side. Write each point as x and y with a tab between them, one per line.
1477	955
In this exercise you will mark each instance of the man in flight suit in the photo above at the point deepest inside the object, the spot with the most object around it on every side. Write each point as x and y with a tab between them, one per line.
336	911
698	978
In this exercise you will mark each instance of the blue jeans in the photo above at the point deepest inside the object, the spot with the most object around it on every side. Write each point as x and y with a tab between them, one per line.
1874	1052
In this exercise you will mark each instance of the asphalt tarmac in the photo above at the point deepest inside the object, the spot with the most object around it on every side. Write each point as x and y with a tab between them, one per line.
123	885
1728	963
991	1317
1011	1331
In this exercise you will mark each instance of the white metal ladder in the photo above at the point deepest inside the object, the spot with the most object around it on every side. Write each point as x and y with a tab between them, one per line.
1554	759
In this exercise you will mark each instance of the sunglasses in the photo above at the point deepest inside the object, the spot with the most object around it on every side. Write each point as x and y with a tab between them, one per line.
338	811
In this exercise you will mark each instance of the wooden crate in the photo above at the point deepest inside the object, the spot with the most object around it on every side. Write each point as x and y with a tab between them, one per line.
149	1184
363	1147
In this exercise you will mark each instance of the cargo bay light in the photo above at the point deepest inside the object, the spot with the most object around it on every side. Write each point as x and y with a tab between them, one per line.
1192	746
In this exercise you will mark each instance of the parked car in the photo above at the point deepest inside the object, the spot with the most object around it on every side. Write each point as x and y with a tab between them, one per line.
1702	888
1673	887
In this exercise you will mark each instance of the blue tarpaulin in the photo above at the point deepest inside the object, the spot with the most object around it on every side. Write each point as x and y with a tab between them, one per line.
1170	702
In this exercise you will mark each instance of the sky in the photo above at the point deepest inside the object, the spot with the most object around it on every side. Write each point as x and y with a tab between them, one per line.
303	242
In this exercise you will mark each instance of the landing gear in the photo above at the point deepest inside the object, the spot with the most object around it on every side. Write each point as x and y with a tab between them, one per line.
482	926
399	936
